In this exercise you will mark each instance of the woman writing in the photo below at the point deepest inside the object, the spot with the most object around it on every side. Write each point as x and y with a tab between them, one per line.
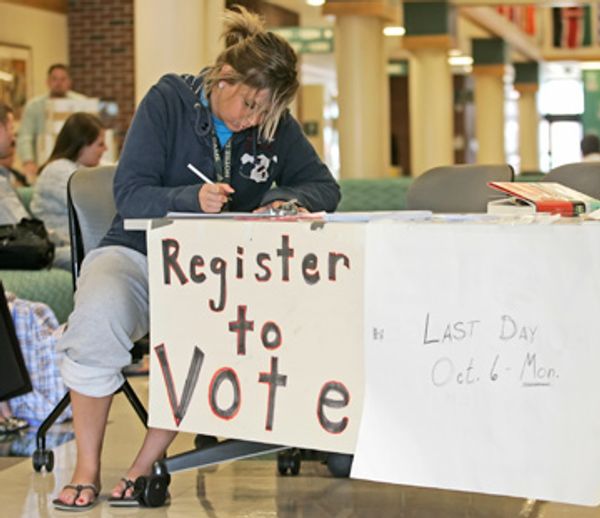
231	122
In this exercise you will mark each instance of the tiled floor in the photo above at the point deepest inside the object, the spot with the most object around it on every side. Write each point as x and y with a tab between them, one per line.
251	488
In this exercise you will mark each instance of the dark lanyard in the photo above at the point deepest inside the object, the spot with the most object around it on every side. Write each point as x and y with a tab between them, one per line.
222	166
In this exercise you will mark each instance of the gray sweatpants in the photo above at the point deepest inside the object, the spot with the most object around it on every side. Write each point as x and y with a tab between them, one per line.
111	312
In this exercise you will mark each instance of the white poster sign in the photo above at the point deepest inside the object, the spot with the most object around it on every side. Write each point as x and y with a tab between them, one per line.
256	330
482	359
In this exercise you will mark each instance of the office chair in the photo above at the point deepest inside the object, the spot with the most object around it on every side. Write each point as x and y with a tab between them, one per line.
456	188
581	176
91	209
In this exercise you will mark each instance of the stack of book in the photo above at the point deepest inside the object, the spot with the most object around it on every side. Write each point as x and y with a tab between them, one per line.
531	197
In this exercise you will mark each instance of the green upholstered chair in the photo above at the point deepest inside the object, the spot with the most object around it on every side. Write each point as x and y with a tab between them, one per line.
25	193
373	194
525	176
52	286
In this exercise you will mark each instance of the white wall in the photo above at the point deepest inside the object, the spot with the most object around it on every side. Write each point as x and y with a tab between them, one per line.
44	31
179	37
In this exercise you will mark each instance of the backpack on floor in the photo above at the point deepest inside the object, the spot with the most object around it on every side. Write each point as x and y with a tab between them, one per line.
37	330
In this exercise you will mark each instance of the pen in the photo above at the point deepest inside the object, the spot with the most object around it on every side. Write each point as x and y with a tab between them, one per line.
200	174
203	177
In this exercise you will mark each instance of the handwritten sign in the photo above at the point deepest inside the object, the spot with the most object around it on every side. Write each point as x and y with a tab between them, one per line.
482	359
256	330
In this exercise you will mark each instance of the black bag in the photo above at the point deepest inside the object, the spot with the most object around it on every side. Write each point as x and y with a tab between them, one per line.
25	246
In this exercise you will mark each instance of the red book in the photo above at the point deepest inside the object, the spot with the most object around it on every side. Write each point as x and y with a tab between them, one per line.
549	197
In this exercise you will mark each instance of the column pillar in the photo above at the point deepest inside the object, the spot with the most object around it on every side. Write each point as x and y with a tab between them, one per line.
313	120
428	37
363	88
489	69
181	40
527	83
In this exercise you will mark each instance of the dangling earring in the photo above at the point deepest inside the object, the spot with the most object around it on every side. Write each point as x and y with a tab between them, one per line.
221	84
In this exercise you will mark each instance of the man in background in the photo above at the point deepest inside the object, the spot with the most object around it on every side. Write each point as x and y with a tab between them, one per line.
590	148
33	123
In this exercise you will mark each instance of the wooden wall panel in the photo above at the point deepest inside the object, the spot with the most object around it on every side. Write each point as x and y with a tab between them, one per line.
59	6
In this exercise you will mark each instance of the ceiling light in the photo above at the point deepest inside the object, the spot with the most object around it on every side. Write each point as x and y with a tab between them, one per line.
394	31
460	61
315	3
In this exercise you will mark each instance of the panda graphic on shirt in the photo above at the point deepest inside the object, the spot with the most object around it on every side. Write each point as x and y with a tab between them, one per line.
259	166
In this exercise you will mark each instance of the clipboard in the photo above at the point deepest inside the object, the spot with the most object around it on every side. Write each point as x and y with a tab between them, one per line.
14	377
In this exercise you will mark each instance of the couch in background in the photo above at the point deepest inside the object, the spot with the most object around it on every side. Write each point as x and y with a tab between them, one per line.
529	176
367	194
52	286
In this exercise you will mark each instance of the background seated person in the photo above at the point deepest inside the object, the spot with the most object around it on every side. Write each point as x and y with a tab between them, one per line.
12	209
17	178
79	143
590	148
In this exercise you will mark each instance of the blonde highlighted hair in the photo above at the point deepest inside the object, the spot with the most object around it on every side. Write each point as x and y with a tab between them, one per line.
260	60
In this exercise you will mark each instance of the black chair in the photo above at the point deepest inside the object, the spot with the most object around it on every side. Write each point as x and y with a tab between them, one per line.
91	210
456	188
581	176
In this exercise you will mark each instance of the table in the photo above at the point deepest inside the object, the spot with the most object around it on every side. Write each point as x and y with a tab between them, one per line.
459	354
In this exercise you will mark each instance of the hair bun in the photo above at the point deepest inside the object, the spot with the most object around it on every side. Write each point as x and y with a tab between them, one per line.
240	24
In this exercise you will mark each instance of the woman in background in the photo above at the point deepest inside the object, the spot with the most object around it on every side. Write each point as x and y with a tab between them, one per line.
79	143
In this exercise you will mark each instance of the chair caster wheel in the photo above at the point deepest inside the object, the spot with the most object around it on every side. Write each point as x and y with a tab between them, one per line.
339	464
151	491
204	441
289	461
43	459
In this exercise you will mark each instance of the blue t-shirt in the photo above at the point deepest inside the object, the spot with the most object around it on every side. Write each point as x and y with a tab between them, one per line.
222	131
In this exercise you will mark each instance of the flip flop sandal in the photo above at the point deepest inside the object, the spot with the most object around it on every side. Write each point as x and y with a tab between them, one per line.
63	506
122	500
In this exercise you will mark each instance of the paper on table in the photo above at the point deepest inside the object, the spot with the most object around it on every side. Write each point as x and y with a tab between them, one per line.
301	216
397	215
205	215
594	215
476	364
400	215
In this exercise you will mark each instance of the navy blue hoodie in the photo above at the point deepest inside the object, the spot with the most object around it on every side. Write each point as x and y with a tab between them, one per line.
172	128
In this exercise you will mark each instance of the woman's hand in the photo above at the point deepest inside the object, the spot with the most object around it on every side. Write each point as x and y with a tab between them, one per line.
213	196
